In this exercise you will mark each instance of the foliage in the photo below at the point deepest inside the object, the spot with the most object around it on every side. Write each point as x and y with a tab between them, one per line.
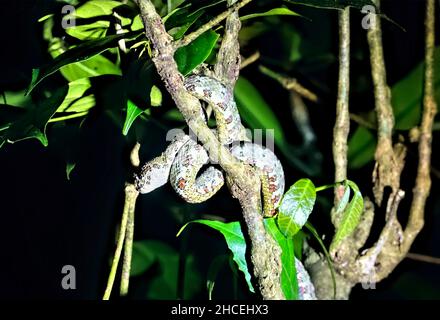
103	66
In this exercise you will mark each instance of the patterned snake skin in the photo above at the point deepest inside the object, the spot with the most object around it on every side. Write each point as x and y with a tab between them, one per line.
183	159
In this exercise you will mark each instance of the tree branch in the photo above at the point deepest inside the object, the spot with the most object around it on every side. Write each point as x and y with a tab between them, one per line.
393	244
131	195
222	16
245	186
227	67
290	84
342	122
383	174
423	180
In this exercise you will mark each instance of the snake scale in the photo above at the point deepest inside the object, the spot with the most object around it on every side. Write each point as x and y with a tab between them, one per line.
184	157
182	160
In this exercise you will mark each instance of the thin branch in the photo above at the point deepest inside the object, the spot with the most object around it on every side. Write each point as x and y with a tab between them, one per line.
134	155
342	122
130	199
244	181
249	60
290	84
362	121
422	257
128	247
301	117
222	16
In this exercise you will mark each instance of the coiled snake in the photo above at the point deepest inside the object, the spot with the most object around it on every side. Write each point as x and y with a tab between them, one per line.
184	157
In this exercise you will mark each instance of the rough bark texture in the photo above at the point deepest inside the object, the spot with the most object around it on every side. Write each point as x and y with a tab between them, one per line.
265	253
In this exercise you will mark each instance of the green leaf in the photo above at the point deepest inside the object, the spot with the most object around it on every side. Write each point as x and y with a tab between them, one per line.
334	4
69	169
361	148
96	8
133	111
407	95
296	207
16	99
94	30
155	96
162	283
174	115
298	241
272	12
137	24
289	280
192	55
255	111
33	123
144	255
350	218
234	239
181	19
213	271
83	51
76	100
315	234
93	67
179	32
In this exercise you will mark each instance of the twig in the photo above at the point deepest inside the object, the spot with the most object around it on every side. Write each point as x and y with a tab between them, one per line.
130	199
290	84
362	121
222	16
134	155
245	185
249	60
227	68
341	128
422	257
301	117
128	247
383	173
423	180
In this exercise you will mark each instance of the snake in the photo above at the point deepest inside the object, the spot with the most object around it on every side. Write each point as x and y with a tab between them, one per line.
183	159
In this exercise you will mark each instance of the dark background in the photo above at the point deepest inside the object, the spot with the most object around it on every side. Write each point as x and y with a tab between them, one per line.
48	222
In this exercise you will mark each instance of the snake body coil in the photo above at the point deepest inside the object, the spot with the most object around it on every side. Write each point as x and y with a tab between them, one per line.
183	159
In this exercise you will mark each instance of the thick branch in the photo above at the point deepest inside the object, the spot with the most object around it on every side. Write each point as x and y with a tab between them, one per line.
383	174
423	180
342	123
393	244
227	67
265	253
